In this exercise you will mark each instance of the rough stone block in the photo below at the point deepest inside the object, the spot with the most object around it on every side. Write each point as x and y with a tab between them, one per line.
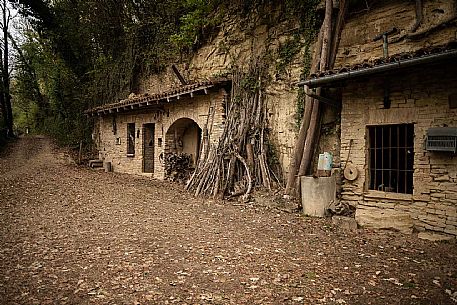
451	231
420	203
451	213
434	236
384	219
440	212
345	223
443	178
451	223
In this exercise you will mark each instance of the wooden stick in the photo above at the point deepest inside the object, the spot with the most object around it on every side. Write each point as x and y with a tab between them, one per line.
248	174
80	151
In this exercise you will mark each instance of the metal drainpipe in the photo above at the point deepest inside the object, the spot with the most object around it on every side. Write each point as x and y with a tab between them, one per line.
319	82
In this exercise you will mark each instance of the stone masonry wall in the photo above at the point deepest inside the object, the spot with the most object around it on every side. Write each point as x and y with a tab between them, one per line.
196	108
420	97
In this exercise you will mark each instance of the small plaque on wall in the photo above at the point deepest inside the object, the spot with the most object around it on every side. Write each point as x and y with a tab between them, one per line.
118	141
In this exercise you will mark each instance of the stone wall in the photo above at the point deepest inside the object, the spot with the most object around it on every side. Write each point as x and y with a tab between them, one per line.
420	97
196	109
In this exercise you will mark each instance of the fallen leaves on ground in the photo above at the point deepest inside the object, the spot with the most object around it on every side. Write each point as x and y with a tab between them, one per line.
71	235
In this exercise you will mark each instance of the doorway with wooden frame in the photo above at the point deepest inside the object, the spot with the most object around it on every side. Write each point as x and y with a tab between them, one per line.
148	147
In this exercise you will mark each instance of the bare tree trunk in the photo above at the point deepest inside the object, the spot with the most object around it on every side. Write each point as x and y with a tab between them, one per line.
2	105
309	142
250	155
5	71
327	35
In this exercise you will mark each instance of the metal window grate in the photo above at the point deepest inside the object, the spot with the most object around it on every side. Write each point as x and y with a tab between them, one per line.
391	158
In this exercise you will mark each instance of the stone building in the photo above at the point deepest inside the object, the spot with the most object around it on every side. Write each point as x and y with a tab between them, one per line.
399	116
135	134
390	106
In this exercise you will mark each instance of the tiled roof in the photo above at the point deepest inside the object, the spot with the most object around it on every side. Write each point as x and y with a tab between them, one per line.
367	67
146	99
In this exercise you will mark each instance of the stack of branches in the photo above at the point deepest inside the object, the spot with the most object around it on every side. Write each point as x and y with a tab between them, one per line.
177	166
239	161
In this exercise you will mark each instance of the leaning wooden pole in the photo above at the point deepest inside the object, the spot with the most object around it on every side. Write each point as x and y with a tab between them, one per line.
298	151
339	25
313	125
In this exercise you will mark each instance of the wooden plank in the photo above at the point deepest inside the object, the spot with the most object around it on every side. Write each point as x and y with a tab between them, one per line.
178	75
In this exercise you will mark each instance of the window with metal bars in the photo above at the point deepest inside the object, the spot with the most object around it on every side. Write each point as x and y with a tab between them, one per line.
391	158
130	139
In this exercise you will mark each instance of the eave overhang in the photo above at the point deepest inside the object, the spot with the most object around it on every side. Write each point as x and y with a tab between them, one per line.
156	101
395	63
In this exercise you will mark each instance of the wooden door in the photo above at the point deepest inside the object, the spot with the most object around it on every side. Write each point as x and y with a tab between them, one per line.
148	148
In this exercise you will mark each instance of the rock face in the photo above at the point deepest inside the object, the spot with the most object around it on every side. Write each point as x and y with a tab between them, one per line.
384	219
357	44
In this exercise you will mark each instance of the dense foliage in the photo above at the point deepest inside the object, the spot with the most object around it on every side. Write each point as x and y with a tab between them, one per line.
76	54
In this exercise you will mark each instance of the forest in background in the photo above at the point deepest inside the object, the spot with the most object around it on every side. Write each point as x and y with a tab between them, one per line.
70	55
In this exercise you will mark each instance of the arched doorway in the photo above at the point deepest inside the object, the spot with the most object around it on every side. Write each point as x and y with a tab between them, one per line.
184	137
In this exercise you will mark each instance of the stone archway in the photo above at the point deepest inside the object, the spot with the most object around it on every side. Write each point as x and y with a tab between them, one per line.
184	136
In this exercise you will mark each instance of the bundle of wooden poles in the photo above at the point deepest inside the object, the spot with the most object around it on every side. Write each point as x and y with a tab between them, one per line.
238	162
323	59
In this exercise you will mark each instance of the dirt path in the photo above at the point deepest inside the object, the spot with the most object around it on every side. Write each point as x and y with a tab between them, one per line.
71	235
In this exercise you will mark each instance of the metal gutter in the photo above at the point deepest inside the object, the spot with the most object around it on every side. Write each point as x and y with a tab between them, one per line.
328	79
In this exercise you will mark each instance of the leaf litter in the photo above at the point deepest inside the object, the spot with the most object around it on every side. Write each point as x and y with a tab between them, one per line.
71	235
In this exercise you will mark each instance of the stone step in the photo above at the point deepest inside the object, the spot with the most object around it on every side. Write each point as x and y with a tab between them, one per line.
95	163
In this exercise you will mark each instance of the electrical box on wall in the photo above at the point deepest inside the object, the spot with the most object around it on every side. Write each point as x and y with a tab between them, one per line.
442	139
